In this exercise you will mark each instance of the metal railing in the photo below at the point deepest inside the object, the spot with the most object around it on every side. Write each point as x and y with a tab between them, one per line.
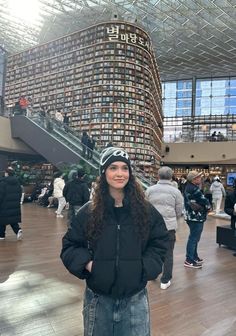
71	138
198	138
66	134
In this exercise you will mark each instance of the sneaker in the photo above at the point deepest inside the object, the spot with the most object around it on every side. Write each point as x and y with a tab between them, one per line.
60	216
165	285
19	235
2	238
192	264
199	261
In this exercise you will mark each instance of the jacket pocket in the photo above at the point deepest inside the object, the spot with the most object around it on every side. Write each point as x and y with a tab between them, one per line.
102	276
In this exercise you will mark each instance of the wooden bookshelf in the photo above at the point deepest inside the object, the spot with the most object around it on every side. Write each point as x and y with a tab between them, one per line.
106	77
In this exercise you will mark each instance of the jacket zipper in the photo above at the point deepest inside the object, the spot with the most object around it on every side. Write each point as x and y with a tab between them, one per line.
117	246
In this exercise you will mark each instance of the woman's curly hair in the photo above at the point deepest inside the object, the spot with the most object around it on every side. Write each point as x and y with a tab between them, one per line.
137	203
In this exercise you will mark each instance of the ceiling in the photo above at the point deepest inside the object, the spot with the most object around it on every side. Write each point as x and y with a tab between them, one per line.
190	37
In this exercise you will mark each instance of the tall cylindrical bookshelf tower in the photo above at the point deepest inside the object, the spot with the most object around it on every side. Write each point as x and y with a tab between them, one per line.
106	77
3	58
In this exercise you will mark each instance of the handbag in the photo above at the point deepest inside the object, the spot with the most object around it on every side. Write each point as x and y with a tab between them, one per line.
196	207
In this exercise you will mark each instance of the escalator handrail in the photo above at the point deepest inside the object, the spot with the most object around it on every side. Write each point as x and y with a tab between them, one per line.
37	121
59	126
80	155
96	155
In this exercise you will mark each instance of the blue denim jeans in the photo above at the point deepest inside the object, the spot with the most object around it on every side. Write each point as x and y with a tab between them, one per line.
105	316
193	239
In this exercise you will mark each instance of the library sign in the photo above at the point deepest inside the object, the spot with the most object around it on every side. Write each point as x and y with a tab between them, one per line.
114	33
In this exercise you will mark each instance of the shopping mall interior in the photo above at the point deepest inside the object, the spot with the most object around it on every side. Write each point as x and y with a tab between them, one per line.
157	78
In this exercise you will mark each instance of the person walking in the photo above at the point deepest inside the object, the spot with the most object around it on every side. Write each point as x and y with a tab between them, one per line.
196	208
167	199
117	244
218	191
76	193
58	186
10	208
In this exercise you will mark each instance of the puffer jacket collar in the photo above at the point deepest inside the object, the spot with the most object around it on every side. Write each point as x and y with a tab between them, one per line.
110	203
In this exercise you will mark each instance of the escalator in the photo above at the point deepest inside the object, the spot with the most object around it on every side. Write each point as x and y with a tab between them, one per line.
58	143
51	141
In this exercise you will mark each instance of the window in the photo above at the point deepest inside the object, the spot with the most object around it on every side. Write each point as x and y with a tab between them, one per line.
215	103
177	98
215	96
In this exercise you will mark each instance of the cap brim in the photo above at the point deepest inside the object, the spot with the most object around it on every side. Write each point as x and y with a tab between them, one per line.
200	174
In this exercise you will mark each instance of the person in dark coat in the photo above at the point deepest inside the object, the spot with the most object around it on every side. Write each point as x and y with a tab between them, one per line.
10	208
230	207
66	121
76	193
118	244
91	145
206	190
182	183
84	141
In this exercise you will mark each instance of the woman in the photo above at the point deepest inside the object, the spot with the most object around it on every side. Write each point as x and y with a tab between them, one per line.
117	243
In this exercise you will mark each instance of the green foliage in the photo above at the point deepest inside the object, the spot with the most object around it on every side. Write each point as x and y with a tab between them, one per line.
27	174
68	168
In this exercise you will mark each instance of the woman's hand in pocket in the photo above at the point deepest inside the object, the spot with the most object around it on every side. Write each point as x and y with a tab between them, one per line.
89	266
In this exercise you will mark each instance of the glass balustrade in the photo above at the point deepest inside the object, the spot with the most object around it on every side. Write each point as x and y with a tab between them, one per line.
71	139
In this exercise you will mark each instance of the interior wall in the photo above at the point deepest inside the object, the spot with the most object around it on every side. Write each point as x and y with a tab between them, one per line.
7	143
199	153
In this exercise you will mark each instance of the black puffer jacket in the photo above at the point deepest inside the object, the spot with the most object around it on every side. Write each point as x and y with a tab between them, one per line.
122	263
229	207
10	195
76	192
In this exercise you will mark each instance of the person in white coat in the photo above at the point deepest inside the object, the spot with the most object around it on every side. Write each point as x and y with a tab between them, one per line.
58	186
168	200
218	191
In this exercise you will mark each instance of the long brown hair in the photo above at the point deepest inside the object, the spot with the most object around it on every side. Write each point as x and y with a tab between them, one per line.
137	203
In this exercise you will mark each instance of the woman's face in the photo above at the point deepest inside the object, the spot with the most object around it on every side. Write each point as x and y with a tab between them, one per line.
117	175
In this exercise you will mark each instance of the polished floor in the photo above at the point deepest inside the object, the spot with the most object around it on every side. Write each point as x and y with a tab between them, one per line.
38	297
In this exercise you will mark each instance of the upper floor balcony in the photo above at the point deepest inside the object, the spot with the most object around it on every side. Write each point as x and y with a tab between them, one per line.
209	128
